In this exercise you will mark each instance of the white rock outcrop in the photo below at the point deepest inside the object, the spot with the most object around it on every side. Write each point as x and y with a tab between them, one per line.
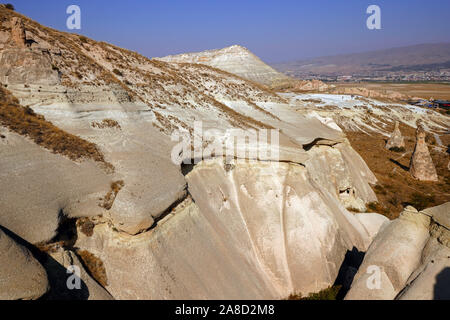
409	259
394	254
259	227
235	59
396	139
421	166
22	277
240	239
62	267
40	188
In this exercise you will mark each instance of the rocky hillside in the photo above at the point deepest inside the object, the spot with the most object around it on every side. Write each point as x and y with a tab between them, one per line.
237	60
88	179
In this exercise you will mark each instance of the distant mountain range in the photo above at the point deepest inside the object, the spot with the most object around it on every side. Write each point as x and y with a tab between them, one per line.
418	58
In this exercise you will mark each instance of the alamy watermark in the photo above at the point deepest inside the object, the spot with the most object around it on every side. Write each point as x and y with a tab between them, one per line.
73	22
374	20
373	282
74	280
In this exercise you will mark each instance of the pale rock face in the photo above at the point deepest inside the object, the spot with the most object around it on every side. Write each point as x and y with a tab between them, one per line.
38	187
257	216
396	139
372	222
359	171
396	252
59	275
343	173
440	214
371	93
431	280
24	66
17	32
422	167
140	154
21	275
235	59
366	115
313	85
4	36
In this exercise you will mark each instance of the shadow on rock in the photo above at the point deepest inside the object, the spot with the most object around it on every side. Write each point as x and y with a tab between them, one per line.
442	286
56	273
352	261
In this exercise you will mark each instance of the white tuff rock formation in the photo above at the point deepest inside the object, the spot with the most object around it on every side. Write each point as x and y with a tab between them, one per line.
240	239
396	139
422	167
62	263
17	32
235	59
412	255
258	227
313	85
21	275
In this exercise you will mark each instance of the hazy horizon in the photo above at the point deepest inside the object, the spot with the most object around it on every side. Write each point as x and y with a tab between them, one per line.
276	31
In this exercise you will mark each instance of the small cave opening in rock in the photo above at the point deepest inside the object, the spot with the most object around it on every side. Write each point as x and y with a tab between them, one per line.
187	168
66	234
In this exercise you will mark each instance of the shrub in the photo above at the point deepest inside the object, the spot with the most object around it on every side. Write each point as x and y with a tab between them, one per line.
380	190
394	201
9	6
372	206
106	123
94	266
24	121
397	149
108	200
86	226
376	207
83	39
430	139
118	72
326	294
421	201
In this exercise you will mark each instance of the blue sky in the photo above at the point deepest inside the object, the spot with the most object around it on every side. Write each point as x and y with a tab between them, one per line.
275	30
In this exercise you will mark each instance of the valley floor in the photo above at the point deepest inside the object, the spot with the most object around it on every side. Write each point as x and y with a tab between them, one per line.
421	90
396	188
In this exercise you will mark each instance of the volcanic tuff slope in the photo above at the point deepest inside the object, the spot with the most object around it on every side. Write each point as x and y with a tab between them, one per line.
150	230
235	59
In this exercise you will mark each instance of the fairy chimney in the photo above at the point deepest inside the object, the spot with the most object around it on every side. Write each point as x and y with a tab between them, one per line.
17	32
422	167
396	139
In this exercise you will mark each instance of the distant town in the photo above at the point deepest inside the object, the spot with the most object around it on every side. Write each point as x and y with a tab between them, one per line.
442	75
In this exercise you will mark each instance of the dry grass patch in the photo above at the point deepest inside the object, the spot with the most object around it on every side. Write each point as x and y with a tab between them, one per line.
326	294
25	122
396	188
108	200
86	226
106	123
94	266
